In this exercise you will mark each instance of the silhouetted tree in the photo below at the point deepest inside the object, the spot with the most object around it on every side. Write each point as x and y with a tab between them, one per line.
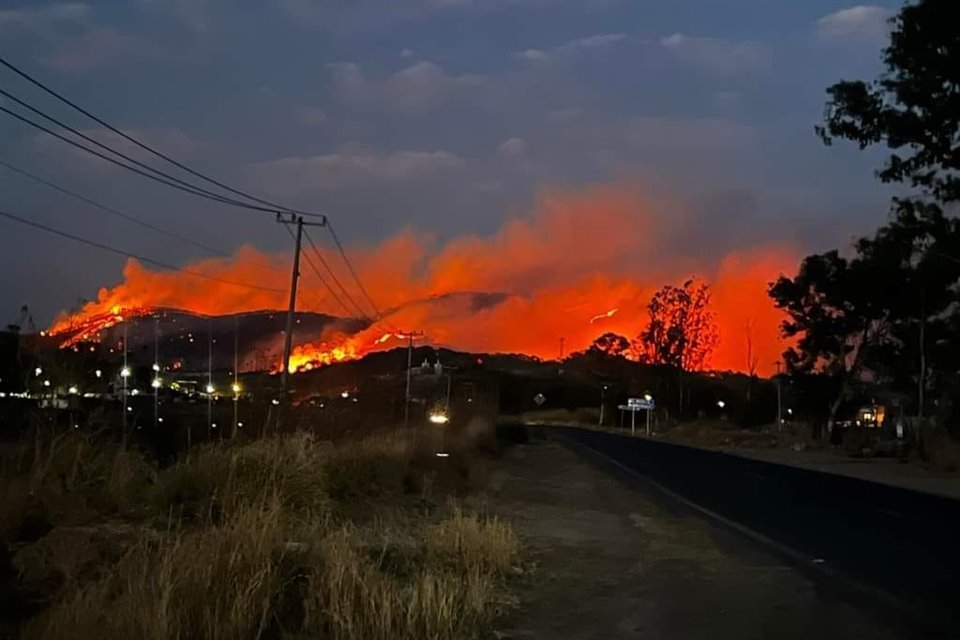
610	344
914	106
682	331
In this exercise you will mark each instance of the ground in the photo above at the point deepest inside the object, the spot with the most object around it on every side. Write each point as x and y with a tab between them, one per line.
614	559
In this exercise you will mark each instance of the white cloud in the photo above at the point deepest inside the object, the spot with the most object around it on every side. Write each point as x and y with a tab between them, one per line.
717	55
311	116
862	22
512	148
353	168
573	47
415	88
37	18
406	53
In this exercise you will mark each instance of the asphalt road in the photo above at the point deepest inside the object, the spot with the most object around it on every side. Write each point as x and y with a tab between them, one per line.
896	545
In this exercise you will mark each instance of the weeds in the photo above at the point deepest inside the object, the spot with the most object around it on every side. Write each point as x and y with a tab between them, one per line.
256	540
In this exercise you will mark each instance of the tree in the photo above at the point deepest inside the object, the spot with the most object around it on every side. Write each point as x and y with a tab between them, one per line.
913	107
610	344
681	332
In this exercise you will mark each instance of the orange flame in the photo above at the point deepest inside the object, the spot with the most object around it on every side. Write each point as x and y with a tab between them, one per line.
517	290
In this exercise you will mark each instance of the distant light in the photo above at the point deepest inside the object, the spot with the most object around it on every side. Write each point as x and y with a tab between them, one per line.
38	371
210	388
156	383
159	419
439	418
98	373
156	367
721	404
72	390
274	401
76	426
441	454
240	425
134	392
789	412
125	372
647	397
46	383
345	394
129	408
356	399
213	425
235	387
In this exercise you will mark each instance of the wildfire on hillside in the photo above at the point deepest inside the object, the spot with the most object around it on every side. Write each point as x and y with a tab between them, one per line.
580	265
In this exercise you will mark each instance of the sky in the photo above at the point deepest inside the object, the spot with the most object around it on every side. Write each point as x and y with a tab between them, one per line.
444	116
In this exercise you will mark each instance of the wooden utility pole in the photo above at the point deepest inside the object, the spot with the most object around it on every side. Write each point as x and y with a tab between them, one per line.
288	219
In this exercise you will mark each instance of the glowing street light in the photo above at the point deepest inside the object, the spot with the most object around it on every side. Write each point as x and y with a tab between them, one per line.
98	373
156	367
134	392
46	383
210	388
647	397
38	371
345	394
439	418
156	383
235	388
125	372
721	404
73	390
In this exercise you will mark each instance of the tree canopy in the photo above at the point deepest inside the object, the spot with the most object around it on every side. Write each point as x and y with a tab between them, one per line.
682	330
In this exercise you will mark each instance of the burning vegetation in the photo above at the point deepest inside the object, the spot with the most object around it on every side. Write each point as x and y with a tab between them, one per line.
581	265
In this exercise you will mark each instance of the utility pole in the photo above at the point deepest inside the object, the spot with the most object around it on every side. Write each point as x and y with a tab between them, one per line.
155	383
210	388
406	404
125	374
236	380
779	400
289	218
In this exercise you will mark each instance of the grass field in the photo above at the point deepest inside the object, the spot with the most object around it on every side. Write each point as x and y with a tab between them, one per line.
289	537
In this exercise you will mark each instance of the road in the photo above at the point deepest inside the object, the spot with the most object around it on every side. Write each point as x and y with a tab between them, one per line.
880	542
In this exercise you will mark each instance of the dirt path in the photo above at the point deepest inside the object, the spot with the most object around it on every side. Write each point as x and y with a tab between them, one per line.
615	561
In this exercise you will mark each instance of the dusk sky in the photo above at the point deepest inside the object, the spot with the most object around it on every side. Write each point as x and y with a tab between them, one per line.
447	116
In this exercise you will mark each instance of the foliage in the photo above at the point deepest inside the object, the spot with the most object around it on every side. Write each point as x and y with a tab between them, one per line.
914	106
610	344
681	332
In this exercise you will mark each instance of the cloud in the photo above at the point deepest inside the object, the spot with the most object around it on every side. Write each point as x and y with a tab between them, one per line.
573	47
862	22
97	47
512	148
415	88
406	53
43	17
352	168
170	140
311	116
715	55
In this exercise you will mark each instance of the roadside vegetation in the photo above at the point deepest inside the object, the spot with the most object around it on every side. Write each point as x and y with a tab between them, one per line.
289	537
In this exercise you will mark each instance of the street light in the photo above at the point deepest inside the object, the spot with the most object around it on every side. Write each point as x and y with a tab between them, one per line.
647	397
210	388
125	372
721	404
345	394
72	390
156	367
98	373
46	383
38	371
156	383
235	387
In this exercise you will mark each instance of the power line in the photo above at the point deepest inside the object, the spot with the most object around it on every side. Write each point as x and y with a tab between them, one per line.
353	273
171	180
146	147
126	166
335	279
127	216
333	293
128	254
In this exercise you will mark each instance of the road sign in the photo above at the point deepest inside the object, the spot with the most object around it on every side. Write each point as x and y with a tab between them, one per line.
539	399
640	403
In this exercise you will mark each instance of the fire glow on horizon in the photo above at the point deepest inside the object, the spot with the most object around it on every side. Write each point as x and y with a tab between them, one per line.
582	264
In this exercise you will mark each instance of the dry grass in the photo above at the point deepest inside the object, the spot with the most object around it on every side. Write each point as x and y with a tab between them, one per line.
252	541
